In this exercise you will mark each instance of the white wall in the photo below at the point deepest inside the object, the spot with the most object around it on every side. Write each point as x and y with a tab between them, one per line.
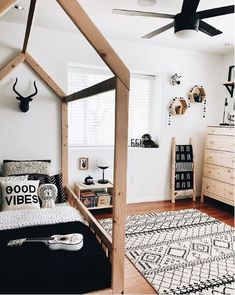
31	135
148	170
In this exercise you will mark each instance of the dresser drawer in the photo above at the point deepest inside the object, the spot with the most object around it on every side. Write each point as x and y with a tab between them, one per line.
221	158
221	130
219	173
220	142
218	188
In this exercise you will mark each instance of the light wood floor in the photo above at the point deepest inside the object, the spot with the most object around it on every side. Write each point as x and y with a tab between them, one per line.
135	283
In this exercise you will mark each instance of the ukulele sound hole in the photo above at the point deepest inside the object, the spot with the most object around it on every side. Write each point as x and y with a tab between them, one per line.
63	239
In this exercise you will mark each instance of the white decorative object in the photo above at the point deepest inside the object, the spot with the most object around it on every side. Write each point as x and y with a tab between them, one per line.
47	193
175	79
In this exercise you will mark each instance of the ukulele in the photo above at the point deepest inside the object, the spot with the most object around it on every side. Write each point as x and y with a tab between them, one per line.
70	242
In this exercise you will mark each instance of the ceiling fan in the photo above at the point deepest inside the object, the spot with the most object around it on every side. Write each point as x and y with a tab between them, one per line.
187	22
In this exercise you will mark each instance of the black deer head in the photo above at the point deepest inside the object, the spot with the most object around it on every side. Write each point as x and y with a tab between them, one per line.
24	101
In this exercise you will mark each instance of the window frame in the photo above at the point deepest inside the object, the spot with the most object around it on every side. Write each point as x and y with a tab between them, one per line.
158	88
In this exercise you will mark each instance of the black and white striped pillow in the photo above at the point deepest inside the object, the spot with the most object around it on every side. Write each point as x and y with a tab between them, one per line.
54	179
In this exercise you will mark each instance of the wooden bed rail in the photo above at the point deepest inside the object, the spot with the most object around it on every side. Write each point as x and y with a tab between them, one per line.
29	24
85	25
5	5
18	59
102	236
98	88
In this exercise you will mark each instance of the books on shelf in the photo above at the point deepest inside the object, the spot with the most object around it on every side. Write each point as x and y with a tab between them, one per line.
88	198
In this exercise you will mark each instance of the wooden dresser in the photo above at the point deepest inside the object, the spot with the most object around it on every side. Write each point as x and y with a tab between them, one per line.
219	159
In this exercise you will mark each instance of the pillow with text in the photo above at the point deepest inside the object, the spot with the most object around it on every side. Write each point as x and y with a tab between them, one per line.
19	195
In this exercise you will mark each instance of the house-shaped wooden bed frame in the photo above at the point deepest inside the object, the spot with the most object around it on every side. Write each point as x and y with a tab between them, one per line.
115	248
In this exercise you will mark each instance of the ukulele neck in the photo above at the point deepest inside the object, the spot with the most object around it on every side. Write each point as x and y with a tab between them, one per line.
43	240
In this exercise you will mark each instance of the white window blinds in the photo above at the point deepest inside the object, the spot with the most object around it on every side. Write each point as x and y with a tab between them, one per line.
91	120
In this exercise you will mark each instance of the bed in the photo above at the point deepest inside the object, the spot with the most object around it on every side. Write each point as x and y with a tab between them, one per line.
34	268
113	248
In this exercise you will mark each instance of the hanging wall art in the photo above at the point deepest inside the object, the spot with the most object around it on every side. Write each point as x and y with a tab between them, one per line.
177	107
197	94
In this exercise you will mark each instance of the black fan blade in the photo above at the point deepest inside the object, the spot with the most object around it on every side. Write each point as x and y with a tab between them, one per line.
158	31
208	29
141	13
189	6
216	11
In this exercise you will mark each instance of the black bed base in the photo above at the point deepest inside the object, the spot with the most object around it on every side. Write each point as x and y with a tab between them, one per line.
35	269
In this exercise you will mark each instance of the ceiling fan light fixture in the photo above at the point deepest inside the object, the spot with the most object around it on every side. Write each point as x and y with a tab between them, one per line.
146	2
186	34
186	26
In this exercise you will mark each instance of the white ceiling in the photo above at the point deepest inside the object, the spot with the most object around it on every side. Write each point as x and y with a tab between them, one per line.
131	28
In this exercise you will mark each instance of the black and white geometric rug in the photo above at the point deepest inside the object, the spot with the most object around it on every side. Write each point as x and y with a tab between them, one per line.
181	252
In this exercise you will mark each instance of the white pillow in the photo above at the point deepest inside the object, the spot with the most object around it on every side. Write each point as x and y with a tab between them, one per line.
26	167
19	195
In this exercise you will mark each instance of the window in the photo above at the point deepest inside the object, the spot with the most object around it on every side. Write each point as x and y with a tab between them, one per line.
91	120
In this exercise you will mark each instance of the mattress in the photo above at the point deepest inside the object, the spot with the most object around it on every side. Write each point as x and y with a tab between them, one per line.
29	217
35	269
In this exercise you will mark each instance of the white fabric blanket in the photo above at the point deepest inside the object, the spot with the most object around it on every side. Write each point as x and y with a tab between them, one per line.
30	217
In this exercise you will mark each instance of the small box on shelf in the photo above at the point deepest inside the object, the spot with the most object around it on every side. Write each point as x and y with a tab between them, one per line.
103	199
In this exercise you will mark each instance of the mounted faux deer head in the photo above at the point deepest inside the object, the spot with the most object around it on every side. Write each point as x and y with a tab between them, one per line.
24	101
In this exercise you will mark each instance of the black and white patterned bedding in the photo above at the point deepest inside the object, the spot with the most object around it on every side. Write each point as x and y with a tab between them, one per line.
35	269
30	217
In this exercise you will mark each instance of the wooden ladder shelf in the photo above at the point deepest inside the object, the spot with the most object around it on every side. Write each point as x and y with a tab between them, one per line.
182	170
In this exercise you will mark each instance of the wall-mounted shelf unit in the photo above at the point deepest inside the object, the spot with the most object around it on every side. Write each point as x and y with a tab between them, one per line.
230	87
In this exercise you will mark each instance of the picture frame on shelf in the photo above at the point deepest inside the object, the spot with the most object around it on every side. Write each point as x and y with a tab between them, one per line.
83	163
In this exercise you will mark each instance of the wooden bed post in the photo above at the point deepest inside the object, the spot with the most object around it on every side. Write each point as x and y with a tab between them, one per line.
120	170
64	142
